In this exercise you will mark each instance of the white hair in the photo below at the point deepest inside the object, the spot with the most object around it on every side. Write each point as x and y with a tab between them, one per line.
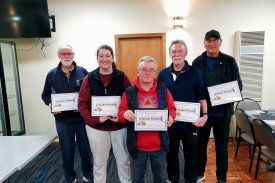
65	46
147	59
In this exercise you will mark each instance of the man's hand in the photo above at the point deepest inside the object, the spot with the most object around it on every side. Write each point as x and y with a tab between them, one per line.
129	115
170	121
50	105
201	121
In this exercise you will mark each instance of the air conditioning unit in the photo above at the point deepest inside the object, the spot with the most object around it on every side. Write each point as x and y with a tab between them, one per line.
250	58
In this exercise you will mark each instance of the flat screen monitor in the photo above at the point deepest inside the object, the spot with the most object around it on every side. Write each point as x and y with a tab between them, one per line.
24	19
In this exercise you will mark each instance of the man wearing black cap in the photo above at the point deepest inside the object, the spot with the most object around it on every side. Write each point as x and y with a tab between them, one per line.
217	68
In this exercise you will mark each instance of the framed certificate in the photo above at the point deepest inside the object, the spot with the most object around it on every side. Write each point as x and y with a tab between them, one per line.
105	105
64	102
187	111
151	119
224	93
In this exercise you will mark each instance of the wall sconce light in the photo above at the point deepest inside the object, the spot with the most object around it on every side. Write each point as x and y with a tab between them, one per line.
177	22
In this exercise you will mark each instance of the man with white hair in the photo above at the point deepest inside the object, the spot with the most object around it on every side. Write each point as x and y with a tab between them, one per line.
67	78
186	85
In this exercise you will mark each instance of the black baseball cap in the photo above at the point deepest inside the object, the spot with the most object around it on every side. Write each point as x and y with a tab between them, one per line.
212	33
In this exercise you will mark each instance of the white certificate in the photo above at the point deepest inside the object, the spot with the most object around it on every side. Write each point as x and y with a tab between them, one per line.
64	102
224	93
187	111
105	105
151	119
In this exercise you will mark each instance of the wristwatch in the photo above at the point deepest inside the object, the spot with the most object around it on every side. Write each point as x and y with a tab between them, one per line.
204	114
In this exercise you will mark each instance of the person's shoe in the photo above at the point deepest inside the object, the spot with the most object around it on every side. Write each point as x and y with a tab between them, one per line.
200	178
168	181
271	167
221	181
86	180
74	181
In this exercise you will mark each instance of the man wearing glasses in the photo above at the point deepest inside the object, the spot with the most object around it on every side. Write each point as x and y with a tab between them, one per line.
217	68
67	78
186	85
144	145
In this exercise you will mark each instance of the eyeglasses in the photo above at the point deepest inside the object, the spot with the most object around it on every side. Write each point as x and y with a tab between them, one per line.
150	71
64	54
214	41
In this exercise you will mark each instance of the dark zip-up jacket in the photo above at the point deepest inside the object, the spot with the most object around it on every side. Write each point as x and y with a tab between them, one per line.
230	72
57	82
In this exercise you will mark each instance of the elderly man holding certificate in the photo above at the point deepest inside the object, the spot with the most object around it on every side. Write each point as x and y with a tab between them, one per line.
61	95
186	86
144	106
222	82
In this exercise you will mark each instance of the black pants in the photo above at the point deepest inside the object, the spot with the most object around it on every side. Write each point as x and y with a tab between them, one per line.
190	142
221	135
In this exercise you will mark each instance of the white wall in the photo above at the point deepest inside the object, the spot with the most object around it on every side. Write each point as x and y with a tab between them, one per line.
87	24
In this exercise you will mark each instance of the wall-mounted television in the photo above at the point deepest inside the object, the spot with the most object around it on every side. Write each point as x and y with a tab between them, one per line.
24	19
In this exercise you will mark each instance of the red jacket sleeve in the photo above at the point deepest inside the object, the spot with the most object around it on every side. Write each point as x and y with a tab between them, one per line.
170	105
84	103
122	108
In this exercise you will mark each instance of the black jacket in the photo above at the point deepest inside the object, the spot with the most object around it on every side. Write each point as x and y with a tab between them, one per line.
230	72
114	88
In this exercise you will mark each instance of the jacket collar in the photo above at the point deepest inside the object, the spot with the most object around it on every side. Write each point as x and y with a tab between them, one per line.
219	57
59	66
185	68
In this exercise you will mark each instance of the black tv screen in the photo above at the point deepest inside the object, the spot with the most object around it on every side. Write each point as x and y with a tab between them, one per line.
24	19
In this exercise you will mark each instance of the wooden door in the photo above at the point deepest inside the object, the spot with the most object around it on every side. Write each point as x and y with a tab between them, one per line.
130	48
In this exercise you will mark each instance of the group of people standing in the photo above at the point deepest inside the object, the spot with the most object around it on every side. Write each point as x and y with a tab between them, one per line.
132	149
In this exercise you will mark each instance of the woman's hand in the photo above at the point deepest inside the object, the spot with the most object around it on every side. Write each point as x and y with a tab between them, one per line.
114	119
102	119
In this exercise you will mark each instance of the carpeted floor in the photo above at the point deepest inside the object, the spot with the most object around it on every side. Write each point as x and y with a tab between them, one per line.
47	168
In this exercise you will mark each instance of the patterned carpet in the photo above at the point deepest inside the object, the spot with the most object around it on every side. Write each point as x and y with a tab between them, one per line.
47	168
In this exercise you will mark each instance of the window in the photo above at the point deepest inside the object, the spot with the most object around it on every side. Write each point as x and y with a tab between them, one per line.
250	58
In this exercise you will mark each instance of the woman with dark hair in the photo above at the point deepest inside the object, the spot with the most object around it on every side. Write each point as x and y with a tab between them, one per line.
105	132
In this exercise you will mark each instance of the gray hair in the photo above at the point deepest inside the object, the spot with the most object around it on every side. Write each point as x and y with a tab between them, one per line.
178	41
65	46
147	59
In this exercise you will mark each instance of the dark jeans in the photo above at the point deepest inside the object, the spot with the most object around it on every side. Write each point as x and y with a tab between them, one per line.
139	166
67	133
190	142
221	135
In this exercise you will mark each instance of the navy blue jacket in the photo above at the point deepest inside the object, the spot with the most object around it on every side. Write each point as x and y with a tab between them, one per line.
188	86
57	82
230	72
